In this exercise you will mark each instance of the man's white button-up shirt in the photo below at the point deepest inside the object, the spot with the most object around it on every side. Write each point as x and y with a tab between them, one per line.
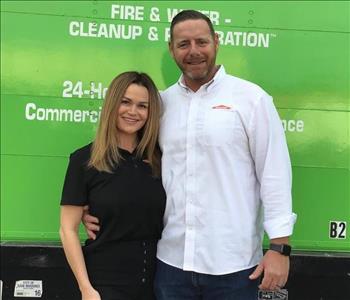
227	175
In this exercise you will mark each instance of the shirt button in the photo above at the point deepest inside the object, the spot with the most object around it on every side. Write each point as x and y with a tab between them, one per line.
143	280
144	261
144	270
145	252
143	243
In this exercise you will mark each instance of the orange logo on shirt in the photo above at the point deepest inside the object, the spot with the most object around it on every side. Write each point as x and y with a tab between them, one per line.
221	106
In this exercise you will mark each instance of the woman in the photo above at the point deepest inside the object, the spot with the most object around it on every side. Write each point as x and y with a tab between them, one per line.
118	177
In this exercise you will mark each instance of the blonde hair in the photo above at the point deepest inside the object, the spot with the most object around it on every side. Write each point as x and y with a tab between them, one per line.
105	154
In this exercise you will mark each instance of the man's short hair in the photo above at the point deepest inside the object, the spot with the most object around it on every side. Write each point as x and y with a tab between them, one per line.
190	15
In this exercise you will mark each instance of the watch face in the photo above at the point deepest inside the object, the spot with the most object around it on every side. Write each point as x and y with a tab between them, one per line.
286	249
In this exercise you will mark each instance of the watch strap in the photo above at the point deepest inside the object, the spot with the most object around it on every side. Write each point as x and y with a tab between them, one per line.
283	249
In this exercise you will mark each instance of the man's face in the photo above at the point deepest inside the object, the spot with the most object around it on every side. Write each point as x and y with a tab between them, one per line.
194	51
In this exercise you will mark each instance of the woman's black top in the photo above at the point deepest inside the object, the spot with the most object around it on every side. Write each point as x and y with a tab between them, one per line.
129	204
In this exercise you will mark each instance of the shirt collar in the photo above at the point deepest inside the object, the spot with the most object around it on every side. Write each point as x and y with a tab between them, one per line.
207	86
126	153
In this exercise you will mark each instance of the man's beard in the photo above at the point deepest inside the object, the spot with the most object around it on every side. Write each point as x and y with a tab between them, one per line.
201	76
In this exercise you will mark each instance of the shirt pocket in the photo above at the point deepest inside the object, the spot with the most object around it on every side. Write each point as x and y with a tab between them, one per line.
221	127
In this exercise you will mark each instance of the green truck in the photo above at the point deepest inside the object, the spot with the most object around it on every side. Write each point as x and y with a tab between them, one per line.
57	59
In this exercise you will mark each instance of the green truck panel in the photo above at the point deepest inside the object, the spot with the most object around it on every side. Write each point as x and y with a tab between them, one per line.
58	58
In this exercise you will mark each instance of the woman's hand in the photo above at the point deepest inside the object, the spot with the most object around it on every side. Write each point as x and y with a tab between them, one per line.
90	294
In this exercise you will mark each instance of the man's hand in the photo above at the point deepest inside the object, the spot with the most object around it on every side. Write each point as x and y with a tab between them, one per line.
275	267
90	223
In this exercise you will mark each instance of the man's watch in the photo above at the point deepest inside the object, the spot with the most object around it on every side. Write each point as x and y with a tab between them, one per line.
284	249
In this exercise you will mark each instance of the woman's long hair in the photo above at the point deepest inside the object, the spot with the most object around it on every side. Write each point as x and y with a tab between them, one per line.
105	154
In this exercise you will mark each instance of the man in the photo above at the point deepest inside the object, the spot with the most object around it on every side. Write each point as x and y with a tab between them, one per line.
226	172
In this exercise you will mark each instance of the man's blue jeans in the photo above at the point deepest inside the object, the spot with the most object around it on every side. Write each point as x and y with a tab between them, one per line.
175	284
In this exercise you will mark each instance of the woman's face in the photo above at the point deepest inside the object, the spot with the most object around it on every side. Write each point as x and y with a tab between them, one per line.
133	110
